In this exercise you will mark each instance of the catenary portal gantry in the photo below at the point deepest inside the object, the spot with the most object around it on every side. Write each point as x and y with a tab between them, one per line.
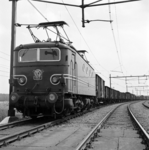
132	78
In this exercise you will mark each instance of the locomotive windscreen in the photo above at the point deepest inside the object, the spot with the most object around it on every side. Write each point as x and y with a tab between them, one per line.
49	54
27	55
42	54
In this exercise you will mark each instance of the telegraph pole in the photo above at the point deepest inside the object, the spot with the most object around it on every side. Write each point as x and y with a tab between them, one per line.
11	111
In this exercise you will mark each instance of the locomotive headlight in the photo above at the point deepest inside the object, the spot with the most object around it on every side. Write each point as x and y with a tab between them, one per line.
55	80
22	80
14	97
52	97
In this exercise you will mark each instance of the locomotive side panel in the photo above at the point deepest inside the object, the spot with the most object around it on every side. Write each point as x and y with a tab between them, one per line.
71	77
85	77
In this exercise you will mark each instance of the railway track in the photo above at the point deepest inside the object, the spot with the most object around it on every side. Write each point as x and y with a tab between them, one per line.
57	133
13	124
19	129
21	122
9	132
47	127
116	131
27	128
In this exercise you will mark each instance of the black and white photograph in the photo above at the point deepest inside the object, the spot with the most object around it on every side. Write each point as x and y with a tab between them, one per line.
74	75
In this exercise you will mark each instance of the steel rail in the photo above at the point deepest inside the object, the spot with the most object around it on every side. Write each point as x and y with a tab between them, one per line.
144	133
19	135
17	122
87	140
12	124
145	105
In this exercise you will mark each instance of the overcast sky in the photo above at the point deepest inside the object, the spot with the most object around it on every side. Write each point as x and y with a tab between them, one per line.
126	49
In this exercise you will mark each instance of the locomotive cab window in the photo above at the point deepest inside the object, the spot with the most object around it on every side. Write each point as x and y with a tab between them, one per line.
27	55
36	54
49	54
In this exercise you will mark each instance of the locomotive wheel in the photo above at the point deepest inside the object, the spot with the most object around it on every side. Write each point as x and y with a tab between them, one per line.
78	106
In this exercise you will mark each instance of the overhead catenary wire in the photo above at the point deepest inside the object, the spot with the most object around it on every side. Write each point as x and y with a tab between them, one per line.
4	71
114	36
117	27
112	29
4	66
4	76
38	11
4	58
4	53
1	66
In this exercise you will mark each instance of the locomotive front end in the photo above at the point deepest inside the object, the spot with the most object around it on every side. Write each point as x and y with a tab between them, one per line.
38	81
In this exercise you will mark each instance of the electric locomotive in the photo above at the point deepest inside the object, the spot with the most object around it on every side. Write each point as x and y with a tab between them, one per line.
50	77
